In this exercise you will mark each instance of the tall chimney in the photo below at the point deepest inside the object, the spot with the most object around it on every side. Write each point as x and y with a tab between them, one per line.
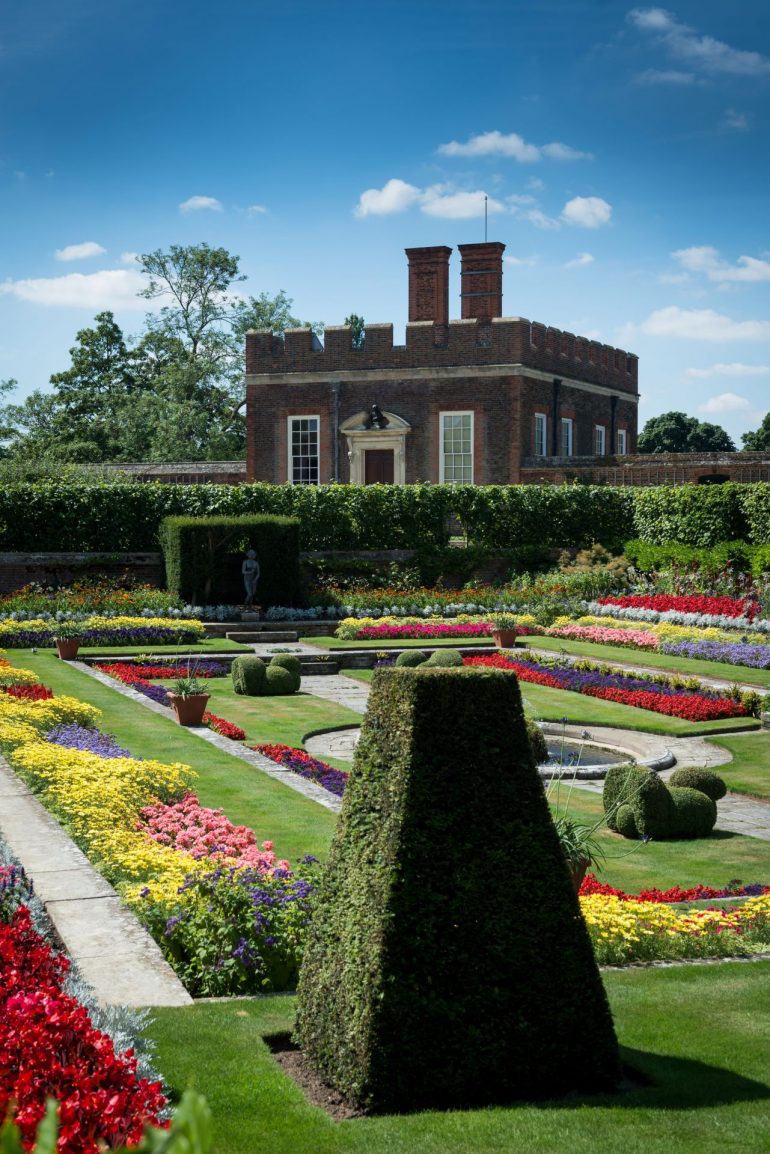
481	280
429	284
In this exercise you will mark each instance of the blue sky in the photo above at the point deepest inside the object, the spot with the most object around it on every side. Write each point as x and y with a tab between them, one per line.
624	151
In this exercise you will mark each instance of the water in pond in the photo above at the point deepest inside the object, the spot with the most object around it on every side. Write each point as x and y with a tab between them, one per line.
578	754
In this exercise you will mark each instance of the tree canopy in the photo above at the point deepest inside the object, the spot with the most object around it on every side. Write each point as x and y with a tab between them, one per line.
675	432
174	391
759	440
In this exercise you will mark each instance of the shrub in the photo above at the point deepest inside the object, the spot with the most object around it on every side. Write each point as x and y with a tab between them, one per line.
445	659
280	681
411	658
643	792
288	661
694	814
693	777
537	742
249	676
422	985
701	515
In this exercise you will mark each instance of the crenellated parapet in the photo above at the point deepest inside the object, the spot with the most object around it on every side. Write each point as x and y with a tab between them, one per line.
505	341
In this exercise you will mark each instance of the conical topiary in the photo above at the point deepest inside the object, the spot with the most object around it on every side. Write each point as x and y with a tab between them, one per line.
448	964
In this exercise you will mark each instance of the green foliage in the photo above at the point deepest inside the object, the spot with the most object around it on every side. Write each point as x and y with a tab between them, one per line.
421	983
203	557
537	742
701	515
759	440
695	777
357	330
249	676
756	509
675	432
647	557
694	814
280	681
561	516
411	658
288	661
638	804
445	659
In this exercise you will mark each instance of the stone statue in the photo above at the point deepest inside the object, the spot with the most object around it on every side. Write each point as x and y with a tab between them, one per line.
376	418
250	571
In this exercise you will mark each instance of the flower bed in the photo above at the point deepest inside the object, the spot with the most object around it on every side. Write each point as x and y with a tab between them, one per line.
731	653
606	635
677	617
656	693
306	766
117	631
50	1047
88	596
674	895
686	603
136	676
206	833
624	931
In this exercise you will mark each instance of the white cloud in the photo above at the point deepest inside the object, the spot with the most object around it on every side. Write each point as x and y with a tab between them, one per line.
725	403
535	183
540	220
109	289
518	200
703	325
256	210
511	145
734	121
735	369
457	205
580	261
130	258
652	76
520	261
705	52
674	278
79	251
587	211
706	259
395	196
198	203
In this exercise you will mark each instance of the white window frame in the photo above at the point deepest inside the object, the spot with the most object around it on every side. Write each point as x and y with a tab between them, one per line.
541	420
622	439
568	427
443	455
600	440
290	451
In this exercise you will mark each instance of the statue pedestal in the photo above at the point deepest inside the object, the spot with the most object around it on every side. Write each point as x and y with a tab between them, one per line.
250	615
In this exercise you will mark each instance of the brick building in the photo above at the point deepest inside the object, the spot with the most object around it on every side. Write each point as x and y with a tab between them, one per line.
485	399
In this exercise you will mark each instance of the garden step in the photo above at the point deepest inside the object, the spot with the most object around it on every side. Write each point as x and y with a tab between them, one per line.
316	668
262	637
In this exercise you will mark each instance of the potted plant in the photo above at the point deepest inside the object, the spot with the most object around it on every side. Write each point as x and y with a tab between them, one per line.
67	636
580	847
504	631
189	699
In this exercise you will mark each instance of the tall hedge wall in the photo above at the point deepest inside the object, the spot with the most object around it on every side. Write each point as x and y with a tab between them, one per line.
56	516
447	962
204	555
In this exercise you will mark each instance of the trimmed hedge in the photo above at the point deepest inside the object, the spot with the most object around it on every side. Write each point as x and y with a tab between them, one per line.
704	780
280	682
739	554
693	814
444	658
638	804
75	516
422	983
203	558
249	676
411	658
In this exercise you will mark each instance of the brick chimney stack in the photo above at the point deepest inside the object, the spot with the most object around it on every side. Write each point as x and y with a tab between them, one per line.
429	284
481	280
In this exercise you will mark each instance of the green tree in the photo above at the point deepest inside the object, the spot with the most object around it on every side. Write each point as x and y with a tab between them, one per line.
675	432
759	440
357	330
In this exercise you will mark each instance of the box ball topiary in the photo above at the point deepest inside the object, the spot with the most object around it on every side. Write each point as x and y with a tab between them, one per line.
694	814
288	661
694	777
445	659
280	681
645	793
411	658
537	742
624	822
249	676
422	986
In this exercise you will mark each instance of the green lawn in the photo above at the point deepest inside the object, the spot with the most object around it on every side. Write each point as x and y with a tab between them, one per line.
401	643
696	1036
197	648
546	704
749	772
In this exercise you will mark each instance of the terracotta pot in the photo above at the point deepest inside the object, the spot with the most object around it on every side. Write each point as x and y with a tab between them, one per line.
189	710
579	871
67	647
504	638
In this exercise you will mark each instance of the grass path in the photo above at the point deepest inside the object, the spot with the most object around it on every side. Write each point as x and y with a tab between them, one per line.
696	1034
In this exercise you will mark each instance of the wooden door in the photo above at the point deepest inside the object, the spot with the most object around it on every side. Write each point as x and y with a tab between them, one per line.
378	467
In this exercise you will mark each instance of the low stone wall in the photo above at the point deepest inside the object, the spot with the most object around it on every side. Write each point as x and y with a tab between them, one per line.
19	569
